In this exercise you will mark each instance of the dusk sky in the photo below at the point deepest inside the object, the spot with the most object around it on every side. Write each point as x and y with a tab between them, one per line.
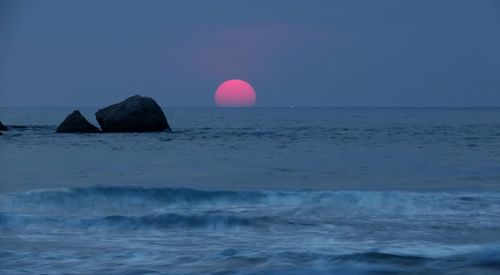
301	53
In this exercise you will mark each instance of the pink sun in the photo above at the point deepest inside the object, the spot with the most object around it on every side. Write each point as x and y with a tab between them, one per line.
235	93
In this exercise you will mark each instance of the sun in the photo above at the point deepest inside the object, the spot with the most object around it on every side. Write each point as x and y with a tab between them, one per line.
235	93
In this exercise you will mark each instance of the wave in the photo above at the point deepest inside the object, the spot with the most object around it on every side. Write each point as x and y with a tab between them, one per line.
30	127
112	199
127	200
485	260
342	214
377	257
207	221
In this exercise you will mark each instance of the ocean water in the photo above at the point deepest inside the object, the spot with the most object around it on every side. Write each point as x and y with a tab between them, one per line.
254	191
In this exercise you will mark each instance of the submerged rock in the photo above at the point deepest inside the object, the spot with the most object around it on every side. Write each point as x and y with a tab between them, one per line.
76	123
2	127
134	114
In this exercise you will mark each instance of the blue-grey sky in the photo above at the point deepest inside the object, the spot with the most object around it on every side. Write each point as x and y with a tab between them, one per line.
305	53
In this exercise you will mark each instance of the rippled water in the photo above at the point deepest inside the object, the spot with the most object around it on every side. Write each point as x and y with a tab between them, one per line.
273	191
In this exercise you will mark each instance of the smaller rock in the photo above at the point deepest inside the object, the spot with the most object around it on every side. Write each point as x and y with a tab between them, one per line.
76	123
2	127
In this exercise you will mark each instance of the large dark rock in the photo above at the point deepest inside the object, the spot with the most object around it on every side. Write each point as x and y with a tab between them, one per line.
76	123
2	127
134	114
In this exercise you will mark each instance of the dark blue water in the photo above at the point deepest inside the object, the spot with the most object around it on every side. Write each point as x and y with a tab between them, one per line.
272	191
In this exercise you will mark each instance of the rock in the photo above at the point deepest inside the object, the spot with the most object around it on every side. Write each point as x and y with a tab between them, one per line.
76	123
134	114
2	127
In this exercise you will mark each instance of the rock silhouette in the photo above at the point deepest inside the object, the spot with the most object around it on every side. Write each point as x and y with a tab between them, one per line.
2	127
134	114
76	123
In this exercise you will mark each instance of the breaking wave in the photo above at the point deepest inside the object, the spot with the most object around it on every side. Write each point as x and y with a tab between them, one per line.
137	199
136	208
292	232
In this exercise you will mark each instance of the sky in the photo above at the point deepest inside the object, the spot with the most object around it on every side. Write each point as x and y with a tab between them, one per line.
386	53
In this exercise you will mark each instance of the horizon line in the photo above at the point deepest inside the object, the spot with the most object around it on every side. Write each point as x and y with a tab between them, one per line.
271	107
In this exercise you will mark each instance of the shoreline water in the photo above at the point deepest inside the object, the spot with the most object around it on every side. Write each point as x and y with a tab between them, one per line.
123	229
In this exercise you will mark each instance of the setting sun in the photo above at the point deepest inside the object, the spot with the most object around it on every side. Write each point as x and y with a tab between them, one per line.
235	93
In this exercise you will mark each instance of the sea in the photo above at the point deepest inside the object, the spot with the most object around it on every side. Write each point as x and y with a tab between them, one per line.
254	191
